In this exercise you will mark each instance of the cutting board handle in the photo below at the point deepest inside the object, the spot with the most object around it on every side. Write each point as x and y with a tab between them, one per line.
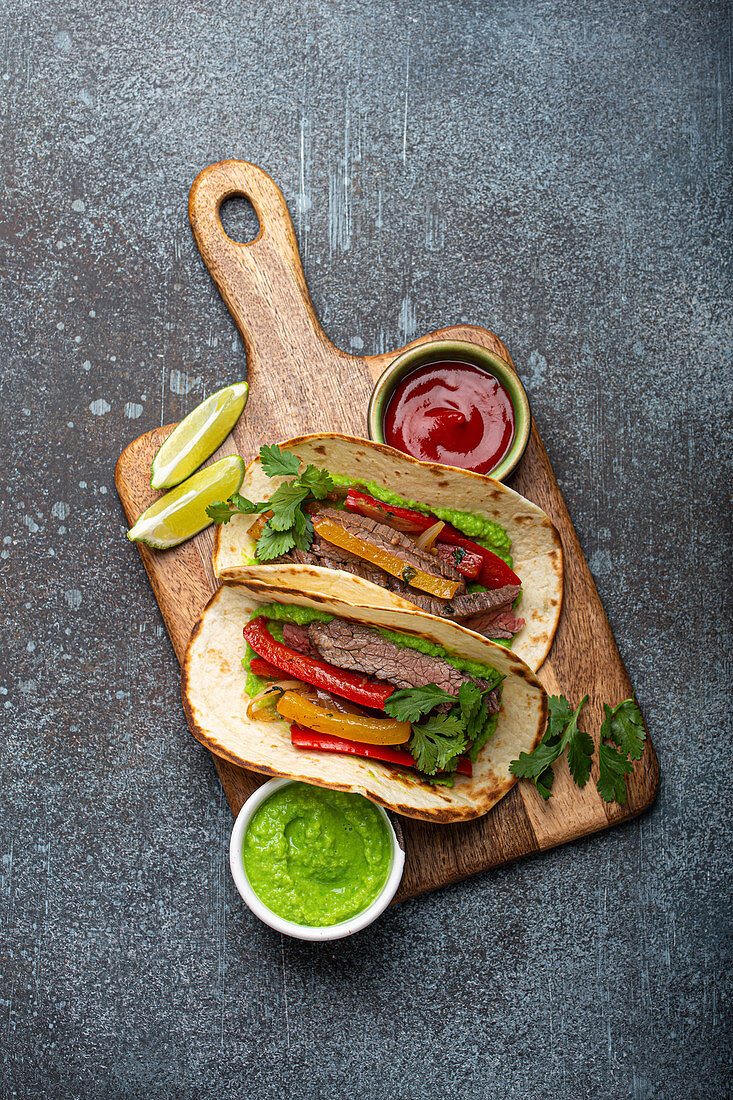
262	282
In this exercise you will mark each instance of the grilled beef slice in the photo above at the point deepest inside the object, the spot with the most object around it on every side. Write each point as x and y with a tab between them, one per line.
394	542
495	624
360	649
462	608
296	637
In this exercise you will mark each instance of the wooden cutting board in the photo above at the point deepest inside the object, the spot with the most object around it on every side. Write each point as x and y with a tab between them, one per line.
300	382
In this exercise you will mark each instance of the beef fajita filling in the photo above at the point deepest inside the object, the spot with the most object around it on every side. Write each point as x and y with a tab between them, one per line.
313	520
347	687
484	612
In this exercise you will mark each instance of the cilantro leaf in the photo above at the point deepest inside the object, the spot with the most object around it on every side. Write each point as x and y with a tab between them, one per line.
614	767
480	725
580	757
221	511
303	530
483	736
437	741
531	765
544	783
409	704
627	729
470	699
285	503
318	482
277	463
571	728
242	504
559	714
271	544
579	745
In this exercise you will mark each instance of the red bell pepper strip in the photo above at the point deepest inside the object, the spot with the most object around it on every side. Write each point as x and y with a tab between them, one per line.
493	573
468	565
264	668
402	519
349	685
325	742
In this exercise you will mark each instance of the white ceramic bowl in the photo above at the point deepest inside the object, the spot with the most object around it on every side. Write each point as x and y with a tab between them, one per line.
288	927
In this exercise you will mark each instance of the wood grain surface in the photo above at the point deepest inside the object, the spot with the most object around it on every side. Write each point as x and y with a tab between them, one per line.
300	382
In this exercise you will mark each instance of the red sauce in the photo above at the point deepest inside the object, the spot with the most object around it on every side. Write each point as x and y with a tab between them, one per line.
453	413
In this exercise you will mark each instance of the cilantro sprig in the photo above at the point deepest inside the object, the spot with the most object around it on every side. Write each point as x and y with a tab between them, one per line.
621	741
289	526
438	740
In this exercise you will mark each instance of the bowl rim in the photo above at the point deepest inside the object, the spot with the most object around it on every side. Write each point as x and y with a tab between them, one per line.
291	928
480	356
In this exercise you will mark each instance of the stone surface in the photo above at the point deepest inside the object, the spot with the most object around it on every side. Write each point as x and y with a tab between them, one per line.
555	171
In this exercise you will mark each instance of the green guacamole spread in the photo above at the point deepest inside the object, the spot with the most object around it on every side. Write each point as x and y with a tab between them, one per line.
291	613
482	530
316	856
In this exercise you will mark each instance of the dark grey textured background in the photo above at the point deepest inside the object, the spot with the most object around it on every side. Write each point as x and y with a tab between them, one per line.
554	169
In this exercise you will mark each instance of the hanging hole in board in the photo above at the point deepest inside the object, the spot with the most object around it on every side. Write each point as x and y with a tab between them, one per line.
239	218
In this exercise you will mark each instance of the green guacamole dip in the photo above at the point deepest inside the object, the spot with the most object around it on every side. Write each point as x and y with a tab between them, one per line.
317	857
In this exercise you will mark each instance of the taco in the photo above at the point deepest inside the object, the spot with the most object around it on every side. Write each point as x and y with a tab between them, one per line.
331	513
410	710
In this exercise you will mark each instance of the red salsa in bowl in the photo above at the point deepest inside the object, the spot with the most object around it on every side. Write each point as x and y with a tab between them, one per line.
455	403
451	412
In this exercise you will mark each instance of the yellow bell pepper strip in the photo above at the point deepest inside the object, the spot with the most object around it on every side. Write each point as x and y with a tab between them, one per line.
374	731
390	563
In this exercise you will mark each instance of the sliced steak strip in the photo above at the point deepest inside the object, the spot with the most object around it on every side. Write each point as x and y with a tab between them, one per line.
296	637
360	649
461	608
495	624
494	599
431	604
393	542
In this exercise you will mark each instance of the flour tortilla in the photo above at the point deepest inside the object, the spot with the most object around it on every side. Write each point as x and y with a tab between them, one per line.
213	683
536	547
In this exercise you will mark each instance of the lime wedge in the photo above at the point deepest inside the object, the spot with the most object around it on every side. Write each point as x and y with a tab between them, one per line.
181	514
203	430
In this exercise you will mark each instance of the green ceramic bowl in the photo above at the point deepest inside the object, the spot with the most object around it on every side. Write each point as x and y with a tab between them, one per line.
461	351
